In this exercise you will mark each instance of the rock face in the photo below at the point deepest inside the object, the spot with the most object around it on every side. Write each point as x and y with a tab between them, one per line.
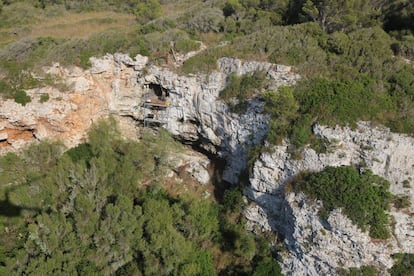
198	115
321	248
119	85
189	107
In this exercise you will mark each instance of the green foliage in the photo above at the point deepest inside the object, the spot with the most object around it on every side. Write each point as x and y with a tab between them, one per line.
186	45
268	266
401	201
202	19
243	87
404	264
80	152
233	200
22	98
44	97
200	63
282	107
335	102
398	16
361	271
147	10
99	209
334	15
363	197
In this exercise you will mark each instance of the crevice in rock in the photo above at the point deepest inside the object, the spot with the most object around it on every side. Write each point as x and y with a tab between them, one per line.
216	168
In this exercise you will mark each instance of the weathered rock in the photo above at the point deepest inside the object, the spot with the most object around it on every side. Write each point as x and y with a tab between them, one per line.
118	85
317	247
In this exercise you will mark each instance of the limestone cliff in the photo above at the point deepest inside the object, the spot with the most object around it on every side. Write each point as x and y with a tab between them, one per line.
317	247
121	86
118	85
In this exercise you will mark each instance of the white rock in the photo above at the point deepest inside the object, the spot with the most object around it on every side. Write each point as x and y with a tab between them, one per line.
3	136
101	65
318	247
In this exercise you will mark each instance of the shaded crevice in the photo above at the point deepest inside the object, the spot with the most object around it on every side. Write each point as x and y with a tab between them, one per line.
216	168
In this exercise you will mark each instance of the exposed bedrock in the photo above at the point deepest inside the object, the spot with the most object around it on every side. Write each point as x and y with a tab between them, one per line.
189	107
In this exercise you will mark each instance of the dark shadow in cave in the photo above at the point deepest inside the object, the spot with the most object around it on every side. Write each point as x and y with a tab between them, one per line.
217	166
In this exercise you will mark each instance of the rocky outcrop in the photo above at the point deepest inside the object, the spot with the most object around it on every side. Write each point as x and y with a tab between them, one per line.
317	247
198	115
119	85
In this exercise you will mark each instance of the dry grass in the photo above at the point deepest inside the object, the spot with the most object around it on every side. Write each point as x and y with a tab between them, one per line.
83	24
72	25
175	9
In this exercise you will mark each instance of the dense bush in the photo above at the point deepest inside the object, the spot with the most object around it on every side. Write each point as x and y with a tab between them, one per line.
340	102
282	107
100	208
363	196
404	264
21	97
243	87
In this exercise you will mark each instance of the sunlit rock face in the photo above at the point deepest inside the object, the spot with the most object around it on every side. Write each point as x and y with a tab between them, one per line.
120	86
317	247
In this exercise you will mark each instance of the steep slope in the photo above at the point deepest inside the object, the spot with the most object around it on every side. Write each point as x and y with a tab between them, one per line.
190	108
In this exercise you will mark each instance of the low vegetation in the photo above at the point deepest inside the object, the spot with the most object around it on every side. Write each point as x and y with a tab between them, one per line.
404	264
242	88
101	208
362	196
361	271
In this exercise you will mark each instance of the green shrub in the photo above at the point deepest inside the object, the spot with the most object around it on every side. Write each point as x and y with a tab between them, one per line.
267	266
340	102
199	64
404	264
202	19
363	197
186	45
233	200
44	97
361	271
5	89
147	10
22	98
282	107
401	201
243	87
80	152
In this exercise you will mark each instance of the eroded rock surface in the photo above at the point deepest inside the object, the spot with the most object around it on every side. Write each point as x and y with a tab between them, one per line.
119	85
317	247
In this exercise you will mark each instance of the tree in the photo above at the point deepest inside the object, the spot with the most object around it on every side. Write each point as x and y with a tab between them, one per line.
148	10
399	15
334	15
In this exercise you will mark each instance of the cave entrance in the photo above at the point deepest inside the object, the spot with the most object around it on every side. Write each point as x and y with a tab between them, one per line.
155	105
157	91
216	168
